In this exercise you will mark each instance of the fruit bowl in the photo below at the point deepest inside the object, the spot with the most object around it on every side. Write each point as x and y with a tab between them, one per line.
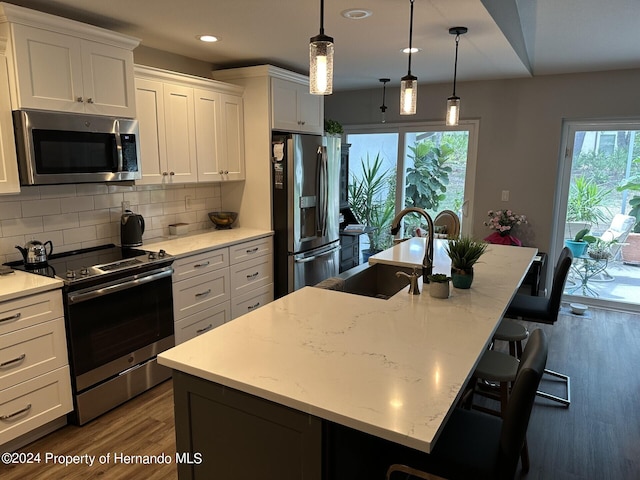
223	219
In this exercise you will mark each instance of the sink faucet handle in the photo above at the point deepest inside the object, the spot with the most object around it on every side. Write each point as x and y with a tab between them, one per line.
414	289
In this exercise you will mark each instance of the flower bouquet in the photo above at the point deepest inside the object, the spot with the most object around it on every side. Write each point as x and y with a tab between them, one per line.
503	221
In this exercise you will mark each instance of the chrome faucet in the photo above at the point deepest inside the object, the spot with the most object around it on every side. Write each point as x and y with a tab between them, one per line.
427	261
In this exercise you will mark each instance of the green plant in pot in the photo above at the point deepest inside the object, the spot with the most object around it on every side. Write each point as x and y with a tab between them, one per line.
631	246
599	249
464	252
579	244
439	285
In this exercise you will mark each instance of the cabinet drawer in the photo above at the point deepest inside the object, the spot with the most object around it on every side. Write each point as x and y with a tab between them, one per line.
33	403
31	310
202	322
33	351
251	274
199	293
193	265
251	301
248	250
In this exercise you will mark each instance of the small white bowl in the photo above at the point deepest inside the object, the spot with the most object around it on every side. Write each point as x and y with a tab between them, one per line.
578	308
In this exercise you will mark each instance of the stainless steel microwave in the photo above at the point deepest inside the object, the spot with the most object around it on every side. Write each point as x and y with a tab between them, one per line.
55	148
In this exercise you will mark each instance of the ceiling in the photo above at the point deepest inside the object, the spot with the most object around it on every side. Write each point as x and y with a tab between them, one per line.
506	38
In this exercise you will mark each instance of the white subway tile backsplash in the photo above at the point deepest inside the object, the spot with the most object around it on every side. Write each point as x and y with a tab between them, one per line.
61	222
76	204
39	208
84	215
91	189
22	226
80	234
57	191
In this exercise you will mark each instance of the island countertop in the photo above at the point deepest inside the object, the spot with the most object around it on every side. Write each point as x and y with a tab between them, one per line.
392	368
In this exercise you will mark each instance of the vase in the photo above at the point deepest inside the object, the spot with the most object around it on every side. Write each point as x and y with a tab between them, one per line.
503	239
461	278
439	289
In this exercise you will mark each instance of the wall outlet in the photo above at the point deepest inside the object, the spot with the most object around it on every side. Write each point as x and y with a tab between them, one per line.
505	196
126	206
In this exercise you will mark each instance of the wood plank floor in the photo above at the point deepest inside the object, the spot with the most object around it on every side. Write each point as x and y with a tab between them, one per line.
597	437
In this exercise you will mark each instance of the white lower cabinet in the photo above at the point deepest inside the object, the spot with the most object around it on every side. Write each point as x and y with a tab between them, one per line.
213	287
202	322
35	386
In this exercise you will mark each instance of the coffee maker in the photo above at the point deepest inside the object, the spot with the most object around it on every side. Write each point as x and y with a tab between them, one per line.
131	229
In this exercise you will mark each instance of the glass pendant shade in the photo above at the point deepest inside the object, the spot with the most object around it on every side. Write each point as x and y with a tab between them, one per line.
408	95
453	111
321	65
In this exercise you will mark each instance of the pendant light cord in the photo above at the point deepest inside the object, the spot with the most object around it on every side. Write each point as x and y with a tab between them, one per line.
410	36
455	66
321	17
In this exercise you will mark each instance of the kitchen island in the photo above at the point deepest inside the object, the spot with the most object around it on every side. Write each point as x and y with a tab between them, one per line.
260	391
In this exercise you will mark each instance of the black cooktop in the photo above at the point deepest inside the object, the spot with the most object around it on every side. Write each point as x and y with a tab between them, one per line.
96	262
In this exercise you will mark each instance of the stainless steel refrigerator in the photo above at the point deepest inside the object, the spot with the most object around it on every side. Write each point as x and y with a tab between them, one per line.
305	182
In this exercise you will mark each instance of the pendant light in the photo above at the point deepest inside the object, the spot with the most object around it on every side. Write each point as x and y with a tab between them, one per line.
383	107
321	60
409	83
453	102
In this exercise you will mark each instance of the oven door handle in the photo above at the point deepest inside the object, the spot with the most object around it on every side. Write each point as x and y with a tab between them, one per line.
126	283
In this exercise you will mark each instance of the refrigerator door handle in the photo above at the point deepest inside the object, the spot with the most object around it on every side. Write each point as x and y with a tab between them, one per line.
322	173
319	255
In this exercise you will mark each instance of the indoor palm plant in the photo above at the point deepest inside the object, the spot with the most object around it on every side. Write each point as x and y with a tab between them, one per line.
464	252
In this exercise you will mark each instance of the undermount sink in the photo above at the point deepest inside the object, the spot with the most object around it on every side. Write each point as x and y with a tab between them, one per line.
377	280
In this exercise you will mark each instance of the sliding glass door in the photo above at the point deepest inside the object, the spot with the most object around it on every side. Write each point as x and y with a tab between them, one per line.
599	192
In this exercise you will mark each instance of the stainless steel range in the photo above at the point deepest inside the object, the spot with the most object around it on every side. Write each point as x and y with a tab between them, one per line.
119	316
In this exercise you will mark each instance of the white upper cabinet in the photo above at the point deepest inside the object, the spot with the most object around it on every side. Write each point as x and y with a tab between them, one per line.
294	108
63	65
9	181
191	129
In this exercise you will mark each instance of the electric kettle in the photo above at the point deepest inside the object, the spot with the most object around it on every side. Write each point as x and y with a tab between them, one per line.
131	229
35	253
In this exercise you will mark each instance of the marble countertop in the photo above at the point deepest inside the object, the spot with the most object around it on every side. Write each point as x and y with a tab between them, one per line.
19	284
393	368
203	241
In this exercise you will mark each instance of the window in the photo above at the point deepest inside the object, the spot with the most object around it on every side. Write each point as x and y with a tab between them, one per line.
425	165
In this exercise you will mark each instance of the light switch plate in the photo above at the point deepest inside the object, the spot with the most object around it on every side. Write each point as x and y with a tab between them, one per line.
505	195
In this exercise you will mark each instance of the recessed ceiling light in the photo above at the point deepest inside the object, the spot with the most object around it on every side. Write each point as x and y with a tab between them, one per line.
413	50
207	38
356	13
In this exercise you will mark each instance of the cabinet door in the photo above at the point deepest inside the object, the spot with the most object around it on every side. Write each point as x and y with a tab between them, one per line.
49	70
207	106
107	80
284	105
153	149
310	111
231	144
9	180
180	134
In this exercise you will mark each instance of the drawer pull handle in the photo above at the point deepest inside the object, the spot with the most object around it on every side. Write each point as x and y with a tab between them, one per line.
202	330
199	265
12	317
252	276
15	360
202	294
252	250
251	307
15	414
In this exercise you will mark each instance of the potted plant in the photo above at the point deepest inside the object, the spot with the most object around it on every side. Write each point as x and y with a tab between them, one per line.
599	249
579	244
464	252
439	285
332	127
585	203
372	204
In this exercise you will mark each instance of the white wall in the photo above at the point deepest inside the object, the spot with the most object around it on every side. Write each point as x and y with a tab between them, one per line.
86	215
520	132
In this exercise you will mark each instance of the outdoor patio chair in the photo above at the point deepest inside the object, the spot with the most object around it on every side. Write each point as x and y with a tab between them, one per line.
619	230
